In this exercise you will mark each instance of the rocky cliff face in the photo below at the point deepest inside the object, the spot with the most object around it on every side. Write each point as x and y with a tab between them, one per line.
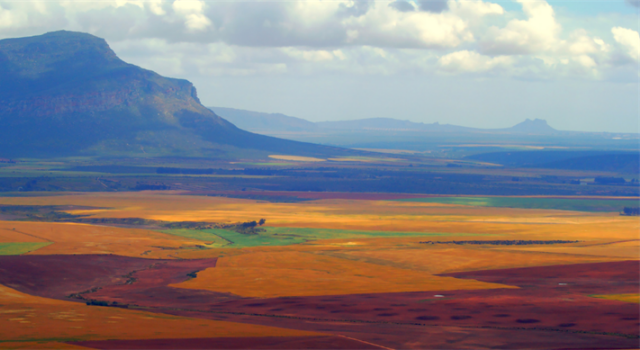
65	93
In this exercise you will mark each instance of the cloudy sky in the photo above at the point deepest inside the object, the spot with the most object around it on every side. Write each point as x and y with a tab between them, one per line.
474	63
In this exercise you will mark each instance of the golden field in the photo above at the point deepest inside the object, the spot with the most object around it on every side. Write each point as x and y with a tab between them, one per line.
334	266
628	298
278	274
34	322
71	238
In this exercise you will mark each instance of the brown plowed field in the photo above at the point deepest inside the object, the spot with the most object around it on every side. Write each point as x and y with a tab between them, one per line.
320	342
540	302
540	314
58	276
592	278
151	286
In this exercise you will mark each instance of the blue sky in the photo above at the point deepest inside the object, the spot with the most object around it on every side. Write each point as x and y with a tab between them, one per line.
474	63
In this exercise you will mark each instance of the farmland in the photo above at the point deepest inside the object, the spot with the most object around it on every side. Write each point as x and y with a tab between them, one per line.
328	271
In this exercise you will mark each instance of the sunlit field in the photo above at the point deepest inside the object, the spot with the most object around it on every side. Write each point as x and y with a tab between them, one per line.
422	261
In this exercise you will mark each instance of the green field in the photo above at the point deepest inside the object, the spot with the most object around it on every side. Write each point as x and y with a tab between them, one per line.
279	236
589	205
21	248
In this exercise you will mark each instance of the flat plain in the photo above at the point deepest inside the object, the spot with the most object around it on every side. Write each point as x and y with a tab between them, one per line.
327	273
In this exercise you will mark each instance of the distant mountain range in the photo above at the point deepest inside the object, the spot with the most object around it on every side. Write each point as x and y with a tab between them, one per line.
67	93
279	123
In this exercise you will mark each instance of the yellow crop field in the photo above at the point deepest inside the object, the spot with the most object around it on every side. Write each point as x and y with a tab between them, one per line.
53	345
629	249
70	238
627	298
353	214
599	231
277	274
33	320
438	259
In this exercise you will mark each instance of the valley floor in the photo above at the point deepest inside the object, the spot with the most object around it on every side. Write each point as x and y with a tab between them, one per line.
171	269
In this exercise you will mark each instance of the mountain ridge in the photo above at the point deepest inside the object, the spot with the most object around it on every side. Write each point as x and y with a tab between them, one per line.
68	93
277	122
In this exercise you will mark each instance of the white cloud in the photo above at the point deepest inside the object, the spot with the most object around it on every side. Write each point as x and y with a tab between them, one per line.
12	19
472	62
347	36
538	33
192	11
470	9
629	40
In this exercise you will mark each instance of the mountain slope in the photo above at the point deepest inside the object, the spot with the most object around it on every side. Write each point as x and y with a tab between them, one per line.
262	122
280	123
67	93
276	122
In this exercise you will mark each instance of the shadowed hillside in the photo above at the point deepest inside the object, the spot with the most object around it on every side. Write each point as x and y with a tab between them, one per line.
67	93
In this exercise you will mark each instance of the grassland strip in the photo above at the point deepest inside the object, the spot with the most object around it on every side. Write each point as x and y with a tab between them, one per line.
19	248
283	236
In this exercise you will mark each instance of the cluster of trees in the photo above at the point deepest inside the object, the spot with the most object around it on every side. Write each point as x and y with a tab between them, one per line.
248	228
631	211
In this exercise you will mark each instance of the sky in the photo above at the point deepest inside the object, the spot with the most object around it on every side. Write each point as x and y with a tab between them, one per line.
487	64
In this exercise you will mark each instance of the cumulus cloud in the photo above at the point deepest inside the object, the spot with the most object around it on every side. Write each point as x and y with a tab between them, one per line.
192	11
380	27
350	36
472	62
629	40
538	33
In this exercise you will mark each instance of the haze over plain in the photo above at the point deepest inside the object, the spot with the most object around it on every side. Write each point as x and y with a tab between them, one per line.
477	64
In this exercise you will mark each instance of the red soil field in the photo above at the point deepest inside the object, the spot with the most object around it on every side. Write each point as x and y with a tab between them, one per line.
413	336
151	287
590	278
551	296
321	342
551	309
58	276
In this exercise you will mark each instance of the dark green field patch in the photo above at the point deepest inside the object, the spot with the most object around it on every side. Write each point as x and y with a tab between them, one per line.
588	205
17	248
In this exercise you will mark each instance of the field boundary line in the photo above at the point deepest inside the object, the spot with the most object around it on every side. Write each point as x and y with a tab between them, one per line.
365	342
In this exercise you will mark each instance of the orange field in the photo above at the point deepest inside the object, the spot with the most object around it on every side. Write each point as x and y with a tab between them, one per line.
278	274
351	214
30	320
629	298
70	238
358	264
447	259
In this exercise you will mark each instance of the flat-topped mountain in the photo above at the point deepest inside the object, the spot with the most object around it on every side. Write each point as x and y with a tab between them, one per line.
66	93
536	126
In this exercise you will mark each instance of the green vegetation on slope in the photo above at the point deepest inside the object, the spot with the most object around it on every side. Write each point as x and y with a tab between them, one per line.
589	205
18	248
